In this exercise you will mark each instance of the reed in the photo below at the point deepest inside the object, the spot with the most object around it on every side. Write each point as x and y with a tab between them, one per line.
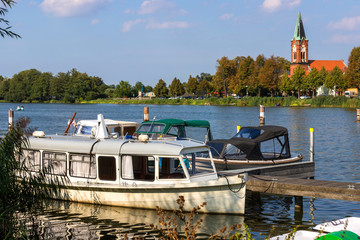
21	191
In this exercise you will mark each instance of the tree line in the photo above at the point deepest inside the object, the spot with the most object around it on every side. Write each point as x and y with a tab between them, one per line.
242	76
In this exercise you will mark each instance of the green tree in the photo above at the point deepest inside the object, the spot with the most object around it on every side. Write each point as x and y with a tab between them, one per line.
335	79
225	72
286	85
204	76
192	85
40	87
244	72
352	74
123	89
298	79
176	88
254	84
160	90
58	85
4	24
269	75
313	80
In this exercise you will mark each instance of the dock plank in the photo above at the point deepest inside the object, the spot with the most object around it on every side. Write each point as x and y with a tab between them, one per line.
304	187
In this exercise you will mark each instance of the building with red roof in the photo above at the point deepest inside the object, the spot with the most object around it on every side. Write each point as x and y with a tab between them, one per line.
299	53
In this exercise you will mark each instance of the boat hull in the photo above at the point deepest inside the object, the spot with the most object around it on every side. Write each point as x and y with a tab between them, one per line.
225	195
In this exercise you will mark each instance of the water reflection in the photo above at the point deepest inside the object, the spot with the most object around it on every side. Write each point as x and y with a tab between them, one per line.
69	220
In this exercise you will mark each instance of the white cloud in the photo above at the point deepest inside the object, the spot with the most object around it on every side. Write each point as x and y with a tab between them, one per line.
129	24
226	16
69	8
167	25
152	6
274	5
346	23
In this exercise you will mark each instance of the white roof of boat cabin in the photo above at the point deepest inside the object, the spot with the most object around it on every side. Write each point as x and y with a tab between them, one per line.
73	144
108	122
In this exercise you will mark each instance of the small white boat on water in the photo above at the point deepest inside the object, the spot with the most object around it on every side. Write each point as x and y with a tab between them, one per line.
345	228
139	173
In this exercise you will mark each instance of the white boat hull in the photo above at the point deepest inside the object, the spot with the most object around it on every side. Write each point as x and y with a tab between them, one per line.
221	196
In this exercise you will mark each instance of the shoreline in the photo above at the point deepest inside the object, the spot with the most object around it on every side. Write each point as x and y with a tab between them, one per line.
321	101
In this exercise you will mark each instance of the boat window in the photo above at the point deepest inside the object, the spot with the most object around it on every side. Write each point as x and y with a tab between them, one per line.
138	167
195	166
274	148
170	168
107	168
54	163
31	160
233	152
249	133
129	130
86	130
82	166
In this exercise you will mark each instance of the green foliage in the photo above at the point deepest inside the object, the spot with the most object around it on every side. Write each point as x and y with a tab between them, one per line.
160	89
192	85
123	89
20	191
176	88
33	86
5	30
353	70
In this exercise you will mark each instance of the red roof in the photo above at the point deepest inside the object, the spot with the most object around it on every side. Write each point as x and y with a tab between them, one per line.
327	64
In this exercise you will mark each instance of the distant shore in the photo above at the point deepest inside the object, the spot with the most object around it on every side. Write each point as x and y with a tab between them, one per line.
321	101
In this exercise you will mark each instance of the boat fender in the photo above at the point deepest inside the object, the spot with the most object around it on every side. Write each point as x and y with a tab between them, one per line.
93	131
143	137
38	134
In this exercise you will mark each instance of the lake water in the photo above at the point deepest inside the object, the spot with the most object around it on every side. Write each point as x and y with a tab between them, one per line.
337	157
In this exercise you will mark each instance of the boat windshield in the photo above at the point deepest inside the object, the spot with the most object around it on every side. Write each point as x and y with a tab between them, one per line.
151	128
196	167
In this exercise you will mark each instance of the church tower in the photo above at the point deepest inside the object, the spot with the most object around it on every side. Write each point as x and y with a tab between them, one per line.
299	47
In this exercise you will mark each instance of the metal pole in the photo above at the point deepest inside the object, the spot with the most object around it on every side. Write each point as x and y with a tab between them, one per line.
11	119
146	113
262	115
312	153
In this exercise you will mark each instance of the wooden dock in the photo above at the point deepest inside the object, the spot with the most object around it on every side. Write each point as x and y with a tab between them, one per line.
296	179
281	185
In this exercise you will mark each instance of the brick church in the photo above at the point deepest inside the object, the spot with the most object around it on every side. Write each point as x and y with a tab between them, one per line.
300	53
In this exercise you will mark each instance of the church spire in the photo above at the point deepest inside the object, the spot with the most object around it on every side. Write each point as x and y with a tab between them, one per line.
299	32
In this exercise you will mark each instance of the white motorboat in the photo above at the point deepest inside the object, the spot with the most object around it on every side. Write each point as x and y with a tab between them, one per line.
139	173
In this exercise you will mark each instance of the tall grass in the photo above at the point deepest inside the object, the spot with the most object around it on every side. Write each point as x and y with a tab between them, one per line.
21	191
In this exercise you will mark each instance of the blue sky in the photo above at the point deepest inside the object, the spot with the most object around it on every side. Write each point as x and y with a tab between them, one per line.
149	40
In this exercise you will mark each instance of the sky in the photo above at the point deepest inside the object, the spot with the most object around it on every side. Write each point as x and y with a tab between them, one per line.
148	40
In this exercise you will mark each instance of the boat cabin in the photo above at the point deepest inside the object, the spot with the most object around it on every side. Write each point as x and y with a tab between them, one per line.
254	143
180	129
117	161
114	128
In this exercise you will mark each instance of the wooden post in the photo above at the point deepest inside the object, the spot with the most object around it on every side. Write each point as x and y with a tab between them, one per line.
146	113
298	209
312	152
262	115
72	119
238	127
11	119
358	114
